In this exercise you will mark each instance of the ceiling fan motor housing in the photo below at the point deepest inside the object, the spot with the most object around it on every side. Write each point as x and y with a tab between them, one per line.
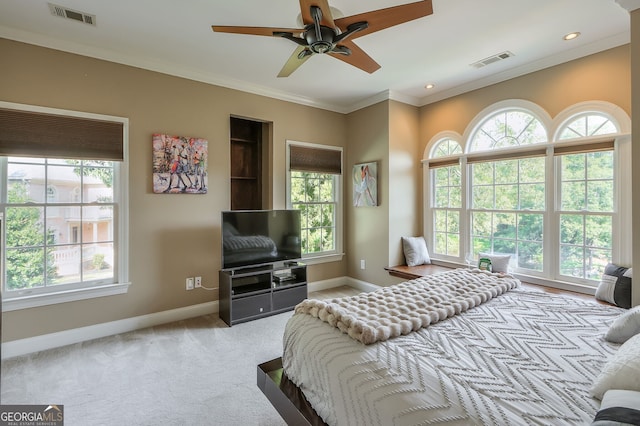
323	44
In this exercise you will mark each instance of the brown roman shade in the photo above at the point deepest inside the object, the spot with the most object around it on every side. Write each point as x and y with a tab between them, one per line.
311	159
33	134
445	162
584	148
511	155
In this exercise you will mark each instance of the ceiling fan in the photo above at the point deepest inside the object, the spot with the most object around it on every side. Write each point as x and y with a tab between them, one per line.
323	34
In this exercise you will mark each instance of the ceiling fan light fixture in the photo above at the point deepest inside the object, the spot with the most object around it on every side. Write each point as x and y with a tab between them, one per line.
571	36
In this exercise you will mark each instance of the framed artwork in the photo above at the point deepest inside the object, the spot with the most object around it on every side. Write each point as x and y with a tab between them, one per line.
365	184
179	165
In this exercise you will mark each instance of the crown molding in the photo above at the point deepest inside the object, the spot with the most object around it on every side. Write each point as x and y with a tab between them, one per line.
168	68
630	5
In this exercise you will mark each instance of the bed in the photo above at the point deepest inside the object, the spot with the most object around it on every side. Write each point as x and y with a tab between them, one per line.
502	355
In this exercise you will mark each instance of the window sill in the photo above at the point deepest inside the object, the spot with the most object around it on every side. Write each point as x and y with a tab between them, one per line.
323	258
583	288
33	301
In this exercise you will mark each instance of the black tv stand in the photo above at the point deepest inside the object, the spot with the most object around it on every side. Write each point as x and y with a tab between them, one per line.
251	293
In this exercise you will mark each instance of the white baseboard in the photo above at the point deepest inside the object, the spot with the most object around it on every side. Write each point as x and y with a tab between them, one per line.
361	285
327	284
68	337
29	345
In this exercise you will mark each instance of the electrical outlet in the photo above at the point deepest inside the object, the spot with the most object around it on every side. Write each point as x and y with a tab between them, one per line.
198	282
362	264
189	283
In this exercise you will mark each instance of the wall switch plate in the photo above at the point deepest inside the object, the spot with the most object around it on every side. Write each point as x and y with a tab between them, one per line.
189	283
198	282
362	264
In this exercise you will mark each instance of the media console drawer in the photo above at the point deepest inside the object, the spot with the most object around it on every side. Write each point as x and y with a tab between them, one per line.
250	306
288	297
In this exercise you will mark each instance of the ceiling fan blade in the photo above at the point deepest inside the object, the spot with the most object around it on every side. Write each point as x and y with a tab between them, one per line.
307	18
358	58
263	31
295	60
385	18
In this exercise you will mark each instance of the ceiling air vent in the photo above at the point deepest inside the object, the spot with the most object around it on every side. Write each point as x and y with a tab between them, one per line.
65	12
492	59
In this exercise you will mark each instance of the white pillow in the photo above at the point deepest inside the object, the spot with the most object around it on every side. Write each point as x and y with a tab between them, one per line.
621	371
415	251
625	326
499	262
619	407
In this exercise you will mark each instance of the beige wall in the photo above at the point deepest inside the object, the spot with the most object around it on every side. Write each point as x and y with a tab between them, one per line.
387	132
604	76
171	236
405	178
368	227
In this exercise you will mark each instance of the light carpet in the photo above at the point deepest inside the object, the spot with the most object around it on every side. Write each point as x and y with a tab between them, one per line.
192	372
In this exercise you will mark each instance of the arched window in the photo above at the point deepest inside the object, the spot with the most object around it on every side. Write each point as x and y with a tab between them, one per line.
508	128
528	186
587	124
445	148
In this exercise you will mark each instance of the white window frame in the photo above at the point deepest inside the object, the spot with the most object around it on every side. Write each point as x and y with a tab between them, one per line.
27	298
336	254
622	218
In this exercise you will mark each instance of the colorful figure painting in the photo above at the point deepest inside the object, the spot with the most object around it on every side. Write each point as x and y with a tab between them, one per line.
365	187
179	165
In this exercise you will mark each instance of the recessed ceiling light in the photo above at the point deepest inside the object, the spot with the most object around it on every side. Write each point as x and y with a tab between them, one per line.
571	36
429	86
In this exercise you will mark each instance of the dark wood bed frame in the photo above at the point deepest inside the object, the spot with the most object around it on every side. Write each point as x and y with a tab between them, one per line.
285	396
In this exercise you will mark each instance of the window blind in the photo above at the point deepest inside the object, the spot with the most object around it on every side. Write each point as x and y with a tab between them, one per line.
511	155
584	148
312	159
33	134
434	164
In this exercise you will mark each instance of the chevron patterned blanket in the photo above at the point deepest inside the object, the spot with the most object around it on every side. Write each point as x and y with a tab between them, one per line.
524	358
400	309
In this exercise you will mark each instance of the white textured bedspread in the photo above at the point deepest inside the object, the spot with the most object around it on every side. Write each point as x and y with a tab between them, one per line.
399	309
525	357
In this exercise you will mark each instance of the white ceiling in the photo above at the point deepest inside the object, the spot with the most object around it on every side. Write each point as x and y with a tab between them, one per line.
175	37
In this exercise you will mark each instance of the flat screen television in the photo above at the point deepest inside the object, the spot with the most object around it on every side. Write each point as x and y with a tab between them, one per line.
253	238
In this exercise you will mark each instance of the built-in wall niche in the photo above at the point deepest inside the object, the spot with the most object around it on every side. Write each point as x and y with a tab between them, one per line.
249	147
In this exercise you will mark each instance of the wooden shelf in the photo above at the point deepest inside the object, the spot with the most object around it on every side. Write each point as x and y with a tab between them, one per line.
242	140
246	172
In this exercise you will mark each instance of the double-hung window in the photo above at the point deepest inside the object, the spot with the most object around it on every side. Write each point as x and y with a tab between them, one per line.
447	197
63	181
586	209
314	180
507	209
